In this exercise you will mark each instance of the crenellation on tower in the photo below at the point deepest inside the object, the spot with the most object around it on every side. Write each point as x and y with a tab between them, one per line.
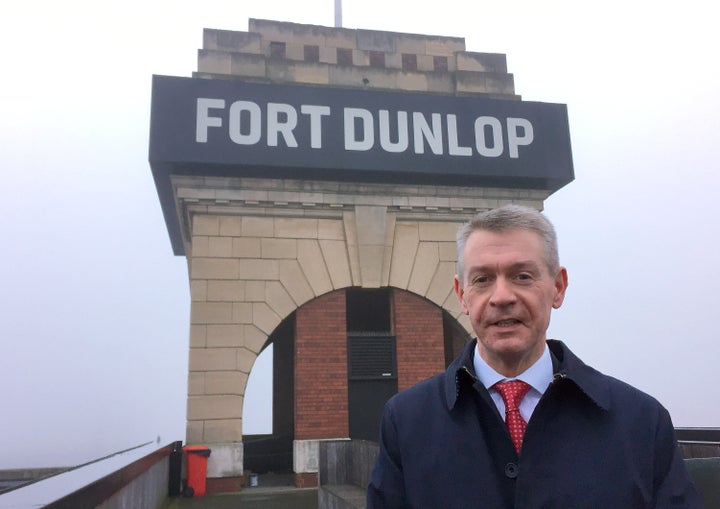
283	52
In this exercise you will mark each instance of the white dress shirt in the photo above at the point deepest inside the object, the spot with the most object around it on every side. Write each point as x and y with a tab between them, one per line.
538	376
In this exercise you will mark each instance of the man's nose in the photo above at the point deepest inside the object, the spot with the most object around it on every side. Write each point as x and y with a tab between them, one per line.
503	293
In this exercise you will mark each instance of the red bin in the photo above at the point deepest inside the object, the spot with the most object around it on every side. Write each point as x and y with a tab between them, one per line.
197	458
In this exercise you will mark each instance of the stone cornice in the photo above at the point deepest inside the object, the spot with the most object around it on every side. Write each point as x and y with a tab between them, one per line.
322	199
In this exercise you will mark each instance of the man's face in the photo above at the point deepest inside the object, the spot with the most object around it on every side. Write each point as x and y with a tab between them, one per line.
508	293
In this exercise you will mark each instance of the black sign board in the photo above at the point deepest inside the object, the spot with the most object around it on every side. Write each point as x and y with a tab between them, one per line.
226	127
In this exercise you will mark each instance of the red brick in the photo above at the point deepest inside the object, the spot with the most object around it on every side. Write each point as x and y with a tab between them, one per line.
419	338
321	369
306	480
224	484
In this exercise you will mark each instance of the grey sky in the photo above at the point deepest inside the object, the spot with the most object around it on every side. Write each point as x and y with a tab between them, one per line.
94	308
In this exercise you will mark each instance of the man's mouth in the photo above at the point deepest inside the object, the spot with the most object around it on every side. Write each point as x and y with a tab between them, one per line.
507	323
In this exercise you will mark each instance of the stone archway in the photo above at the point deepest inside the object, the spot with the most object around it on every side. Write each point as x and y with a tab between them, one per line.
259	249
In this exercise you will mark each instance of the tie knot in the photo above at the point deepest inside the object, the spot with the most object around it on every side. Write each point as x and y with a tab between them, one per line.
512	392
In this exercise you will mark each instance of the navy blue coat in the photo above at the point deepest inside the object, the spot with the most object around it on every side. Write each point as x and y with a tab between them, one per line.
592	442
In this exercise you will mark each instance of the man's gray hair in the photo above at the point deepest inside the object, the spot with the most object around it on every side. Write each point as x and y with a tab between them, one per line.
505	219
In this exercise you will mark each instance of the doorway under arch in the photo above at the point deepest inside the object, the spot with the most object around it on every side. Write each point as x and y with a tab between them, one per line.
391	339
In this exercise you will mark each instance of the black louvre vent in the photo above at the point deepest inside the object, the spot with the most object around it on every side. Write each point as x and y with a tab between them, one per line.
371	356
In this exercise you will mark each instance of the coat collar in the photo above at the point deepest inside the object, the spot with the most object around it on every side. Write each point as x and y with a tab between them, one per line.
566	365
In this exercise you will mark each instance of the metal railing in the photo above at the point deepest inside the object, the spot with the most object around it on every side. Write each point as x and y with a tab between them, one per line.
139	477
699	442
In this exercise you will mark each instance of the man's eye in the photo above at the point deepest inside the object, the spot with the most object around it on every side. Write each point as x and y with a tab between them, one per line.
523	276
480	280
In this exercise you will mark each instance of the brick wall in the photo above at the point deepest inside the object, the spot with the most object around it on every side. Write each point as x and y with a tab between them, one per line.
306	480
321	409
419	336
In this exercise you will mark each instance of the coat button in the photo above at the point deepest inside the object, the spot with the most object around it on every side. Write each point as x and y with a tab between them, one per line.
511	470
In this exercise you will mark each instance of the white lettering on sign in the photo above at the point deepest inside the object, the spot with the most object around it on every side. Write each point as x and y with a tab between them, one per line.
481	140
453	148
316	113
365	118
423	131
245	122
492	137
514	138
250	132
275	126
204	120
401	144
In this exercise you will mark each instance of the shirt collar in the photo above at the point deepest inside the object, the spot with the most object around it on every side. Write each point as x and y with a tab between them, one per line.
595	385
538	376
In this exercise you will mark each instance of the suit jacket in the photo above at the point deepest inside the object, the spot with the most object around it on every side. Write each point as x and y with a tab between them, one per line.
592	442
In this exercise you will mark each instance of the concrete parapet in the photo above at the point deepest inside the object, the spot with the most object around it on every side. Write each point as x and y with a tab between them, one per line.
364	76
441	82
286	31
481	62
444	46
248	65
215	62
345	468
313	73
374	40
412	81
231	40
411	43
472	82
248	55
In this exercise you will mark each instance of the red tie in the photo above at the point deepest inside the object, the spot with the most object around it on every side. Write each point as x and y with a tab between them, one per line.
512	394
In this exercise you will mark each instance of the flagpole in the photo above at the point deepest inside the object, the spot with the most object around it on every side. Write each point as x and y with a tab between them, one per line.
338	13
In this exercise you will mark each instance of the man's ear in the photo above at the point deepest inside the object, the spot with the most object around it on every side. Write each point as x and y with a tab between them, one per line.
561	284
460	292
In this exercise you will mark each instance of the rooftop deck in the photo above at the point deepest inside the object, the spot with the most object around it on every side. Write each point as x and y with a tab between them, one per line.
143	476
251	498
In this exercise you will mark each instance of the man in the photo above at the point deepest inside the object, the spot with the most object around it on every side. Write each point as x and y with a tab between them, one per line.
518	421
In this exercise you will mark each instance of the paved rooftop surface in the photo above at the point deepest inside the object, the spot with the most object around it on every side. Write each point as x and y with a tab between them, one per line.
251	498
